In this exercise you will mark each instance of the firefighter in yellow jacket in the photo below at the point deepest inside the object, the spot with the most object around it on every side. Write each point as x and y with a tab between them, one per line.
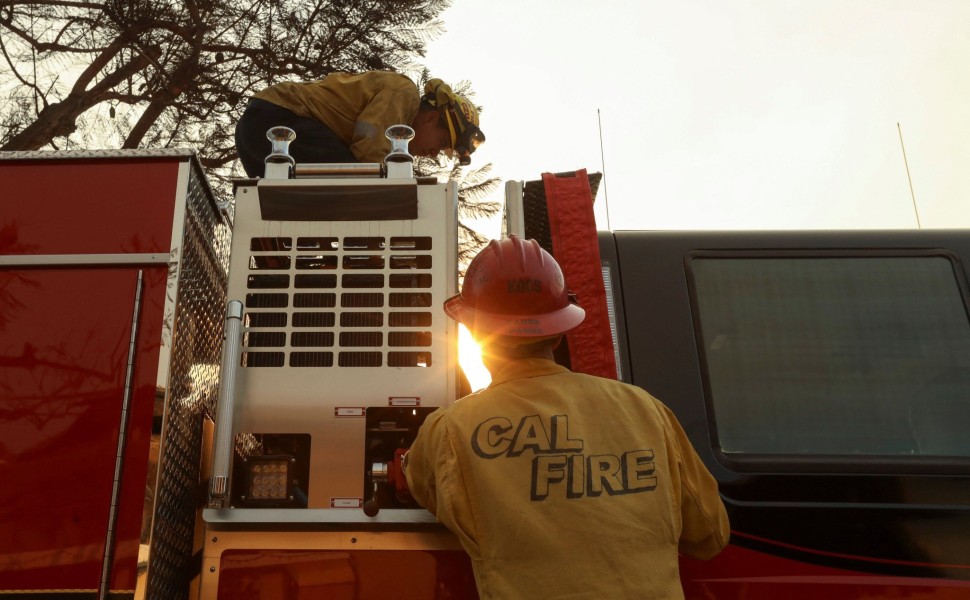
342	119
558	484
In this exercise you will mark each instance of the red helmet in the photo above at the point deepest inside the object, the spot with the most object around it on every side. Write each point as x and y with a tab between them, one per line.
515	288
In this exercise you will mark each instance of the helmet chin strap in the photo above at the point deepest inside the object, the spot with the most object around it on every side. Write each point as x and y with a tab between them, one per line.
445	110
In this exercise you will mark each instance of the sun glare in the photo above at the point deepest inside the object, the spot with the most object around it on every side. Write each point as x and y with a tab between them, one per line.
470	359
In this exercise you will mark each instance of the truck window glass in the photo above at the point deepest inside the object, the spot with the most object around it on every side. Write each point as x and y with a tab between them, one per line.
835	356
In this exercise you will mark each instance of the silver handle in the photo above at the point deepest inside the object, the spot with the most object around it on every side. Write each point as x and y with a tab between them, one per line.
222	445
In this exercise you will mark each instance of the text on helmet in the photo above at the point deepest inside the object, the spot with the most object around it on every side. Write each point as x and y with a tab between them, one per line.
524	286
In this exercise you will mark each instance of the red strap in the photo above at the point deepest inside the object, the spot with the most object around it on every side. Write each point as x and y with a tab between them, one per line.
576	248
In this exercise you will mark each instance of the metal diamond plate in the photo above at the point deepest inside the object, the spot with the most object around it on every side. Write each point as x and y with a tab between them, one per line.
199	283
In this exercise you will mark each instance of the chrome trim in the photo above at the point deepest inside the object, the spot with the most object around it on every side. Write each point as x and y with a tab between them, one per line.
399	162
116	153
379	471
280	137
514	211
611	312
337	170
222	446
219	486
109	543
32	260
218	518
279	164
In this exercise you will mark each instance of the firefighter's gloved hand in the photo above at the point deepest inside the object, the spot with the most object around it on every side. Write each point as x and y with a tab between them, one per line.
443	95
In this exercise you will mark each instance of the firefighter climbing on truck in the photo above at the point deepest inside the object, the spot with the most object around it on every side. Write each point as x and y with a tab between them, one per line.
342	118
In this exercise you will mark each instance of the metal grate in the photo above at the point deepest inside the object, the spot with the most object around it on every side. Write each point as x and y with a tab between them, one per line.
536	212
200	281
365	288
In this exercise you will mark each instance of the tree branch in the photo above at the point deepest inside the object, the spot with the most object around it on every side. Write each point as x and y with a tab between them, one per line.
60	118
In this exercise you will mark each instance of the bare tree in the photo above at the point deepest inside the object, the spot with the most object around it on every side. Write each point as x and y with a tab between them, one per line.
168	73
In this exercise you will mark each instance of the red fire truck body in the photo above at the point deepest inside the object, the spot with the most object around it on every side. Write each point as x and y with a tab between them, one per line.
92	247
159	441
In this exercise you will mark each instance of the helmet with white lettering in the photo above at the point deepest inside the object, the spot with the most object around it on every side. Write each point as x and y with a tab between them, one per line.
515	288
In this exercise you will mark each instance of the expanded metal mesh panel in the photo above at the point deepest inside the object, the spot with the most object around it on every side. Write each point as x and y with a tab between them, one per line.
199	284
535	210
366	274
535	214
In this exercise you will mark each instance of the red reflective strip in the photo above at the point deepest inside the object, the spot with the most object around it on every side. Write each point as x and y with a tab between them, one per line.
576	248
888	561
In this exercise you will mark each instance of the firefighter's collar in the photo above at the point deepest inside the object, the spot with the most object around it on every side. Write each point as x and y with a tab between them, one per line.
524	368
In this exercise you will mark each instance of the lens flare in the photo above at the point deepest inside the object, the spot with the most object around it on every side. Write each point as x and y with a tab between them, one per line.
470	359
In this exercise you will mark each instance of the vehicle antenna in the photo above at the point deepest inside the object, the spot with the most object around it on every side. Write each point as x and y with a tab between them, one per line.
606	196
906	162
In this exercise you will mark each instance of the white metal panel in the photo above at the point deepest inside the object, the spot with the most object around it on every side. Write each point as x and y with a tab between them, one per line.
304	399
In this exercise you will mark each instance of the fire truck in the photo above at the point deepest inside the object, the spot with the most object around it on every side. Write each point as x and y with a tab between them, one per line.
207	400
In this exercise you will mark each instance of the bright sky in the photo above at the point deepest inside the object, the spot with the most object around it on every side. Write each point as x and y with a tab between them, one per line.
727	113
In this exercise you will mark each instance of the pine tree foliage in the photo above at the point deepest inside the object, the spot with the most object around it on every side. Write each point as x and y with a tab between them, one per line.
474	207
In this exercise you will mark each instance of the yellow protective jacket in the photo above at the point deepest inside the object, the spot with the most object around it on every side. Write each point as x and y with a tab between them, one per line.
358	108
567	486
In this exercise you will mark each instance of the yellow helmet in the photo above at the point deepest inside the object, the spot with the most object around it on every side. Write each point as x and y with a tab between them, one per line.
459	114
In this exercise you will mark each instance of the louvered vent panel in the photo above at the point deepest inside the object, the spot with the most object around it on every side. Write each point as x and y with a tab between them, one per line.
338	302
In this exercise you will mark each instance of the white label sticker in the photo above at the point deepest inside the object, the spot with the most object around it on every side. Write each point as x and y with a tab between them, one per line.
404	401
349	411
346	502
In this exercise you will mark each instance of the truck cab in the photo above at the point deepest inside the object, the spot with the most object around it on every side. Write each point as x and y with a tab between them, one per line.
824	378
